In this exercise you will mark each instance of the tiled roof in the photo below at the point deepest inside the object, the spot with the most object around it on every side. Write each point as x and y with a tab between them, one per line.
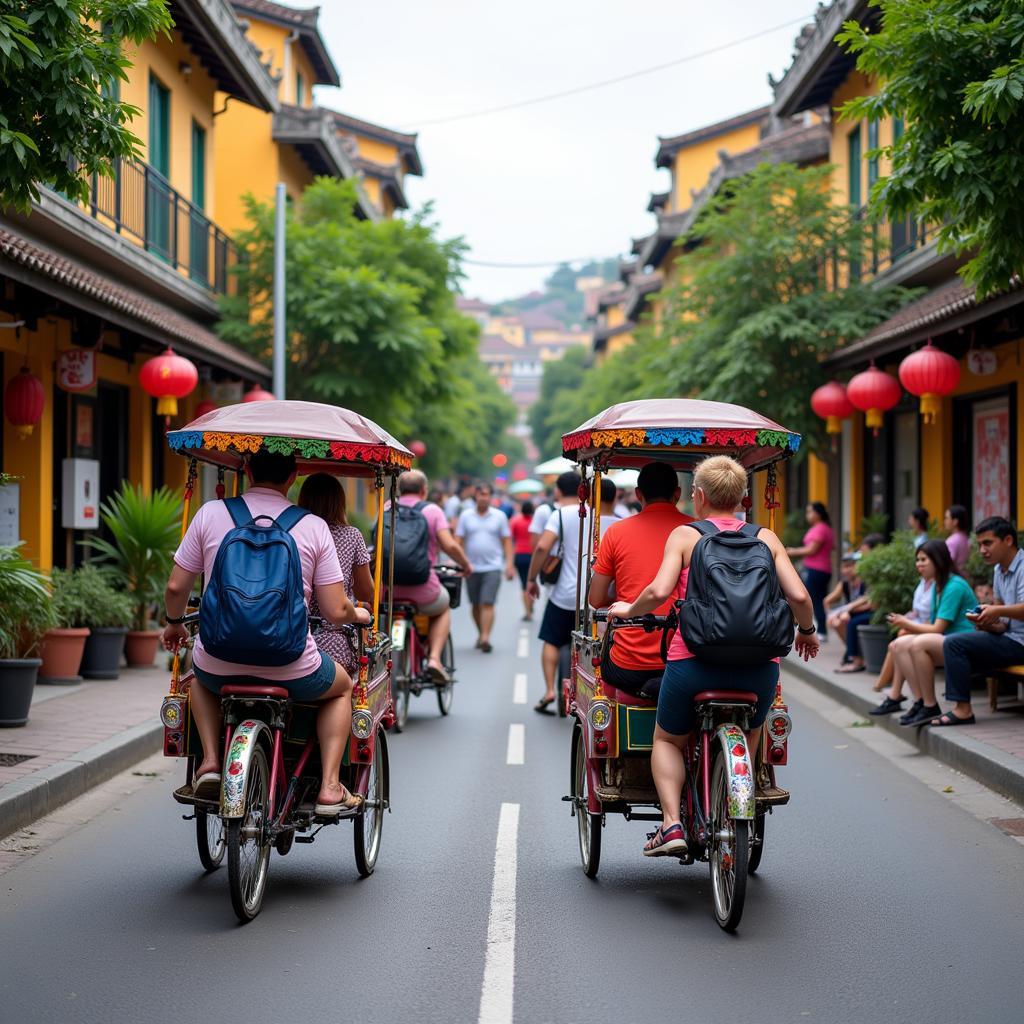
657	201
305	20
467	304
296	15
405	141
540	320
389	177
669	146
152	319
496	345
932	312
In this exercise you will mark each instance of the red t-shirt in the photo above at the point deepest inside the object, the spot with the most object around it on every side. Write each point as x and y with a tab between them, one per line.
631	553
520	527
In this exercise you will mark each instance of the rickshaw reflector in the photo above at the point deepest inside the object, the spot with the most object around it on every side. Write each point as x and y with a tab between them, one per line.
780	726
171	713
362	725
777	755
600	715
601	745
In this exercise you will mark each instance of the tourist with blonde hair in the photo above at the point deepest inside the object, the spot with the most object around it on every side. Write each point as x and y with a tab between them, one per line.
719	485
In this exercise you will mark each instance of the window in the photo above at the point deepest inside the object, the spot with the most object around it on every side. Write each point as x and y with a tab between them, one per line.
198	226
159	126
854	155
300	89
872	145
198	166
158	191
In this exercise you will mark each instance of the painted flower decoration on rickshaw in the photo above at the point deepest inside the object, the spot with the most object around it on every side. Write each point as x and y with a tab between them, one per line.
234	768
739	750
740	768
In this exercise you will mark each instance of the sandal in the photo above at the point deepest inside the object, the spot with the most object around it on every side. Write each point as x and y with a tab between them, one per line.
543	704
437	675
485	646
950	719
349	802
668	843
850	667
207	786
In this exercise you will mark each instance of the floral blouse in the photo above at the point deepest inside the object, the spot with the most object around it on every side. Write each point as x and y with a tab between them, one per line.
351	553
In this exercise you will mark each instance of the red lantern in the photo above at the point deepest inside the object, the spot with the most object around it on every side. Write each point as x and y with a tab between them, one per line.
499	460
205	406
418	448
168	377
874	393
24	398
929	374
831	403
257	394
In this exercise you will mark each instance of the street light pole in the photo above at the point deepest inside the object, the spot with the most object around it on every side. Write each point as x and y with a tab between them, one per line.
279	297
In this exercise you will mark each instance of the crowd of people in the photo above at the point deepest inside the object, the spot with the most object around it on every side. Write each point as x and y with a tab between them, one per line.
968	628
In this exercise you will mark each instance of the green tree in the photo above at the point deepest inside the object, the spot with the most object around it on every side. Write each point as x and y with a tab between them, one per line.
60	67
756	309
372	321
551	415
953	71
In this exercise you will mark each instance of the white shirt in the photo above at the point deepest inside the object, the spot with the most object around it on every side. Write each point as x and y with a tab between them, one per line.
483	534
563	594
541	515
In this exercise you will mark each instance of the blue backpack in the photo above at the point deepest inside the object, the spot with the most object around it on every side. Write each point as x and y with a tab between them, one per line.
253	610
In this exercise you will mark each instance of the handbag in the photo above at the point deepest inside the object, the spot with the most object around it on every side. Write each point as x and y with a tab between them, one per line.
552	567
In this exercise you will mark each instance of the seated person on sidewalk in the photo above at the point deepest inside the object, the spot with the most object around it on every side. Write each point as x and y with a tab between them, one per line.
998	639
313	676
917	656
917	650
430	597
629	558
844	595
857	614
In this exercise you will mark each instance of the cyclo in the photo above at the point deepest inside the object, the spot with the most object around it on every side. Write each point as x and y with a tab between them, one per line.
726	796
271	764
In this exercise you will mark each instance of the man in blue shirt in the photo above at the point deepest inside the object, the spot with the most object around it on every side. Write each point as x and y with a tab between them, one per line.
998	640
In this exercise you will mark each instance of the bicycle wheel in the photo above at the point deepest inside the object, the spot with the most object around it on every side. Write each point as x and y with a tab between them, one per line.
210	840
370	822
730	850
248	843
589	825
756	842
400	686
445	693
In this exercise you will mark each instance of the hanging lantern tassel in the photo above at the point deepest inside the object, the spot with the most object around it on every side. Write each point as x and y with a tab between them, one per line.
874	393
168	377
930	374
771	497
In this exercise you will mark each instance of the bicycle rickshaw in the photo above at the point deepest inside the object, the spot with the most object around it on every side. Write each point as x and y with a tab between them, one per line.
726	797
271	764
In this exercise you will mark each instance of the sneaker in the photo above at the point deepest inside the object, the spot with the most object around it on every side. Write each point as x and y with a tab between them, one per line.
887	707
925	715
912	712
670	843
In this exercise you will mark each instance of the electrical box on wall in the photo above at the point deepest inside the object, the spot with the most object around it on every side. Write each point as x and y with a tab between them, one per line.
80	498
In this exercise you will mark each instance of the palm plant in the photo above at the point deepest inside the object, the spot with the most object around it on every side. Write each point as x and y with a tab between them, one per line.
25	609
145	534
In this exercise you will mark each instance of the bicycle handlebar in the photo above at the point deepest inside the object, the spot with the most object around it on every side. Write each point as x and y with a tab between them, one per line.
648	623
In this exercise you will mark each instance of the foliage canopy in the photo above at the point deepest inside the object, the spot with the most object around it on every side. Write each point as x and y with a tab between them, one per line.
60	68
953	71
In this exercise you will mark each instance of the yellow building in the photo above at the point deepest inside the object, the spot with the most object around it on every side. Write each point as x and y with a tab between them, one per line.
110	283
971	455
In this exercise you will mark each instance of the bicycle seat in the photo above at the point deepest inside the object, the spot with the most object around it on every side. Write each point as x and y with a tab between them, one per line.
254	691
622	697
732	696
406	608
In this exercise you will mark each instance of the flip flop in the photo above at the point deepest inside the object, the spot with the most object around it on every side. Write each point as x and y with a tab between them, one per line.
845	670
486	647
438	675
350	802
207	786
948	719
543	704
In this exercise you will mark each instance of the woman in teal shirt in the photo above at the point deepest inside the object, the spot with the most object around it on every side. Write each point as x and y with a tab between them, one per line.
919	652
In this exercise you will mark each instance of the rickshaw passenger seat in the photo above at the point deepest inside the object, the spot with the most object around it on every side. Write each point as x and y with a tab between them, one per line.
622	697
254	691
732	696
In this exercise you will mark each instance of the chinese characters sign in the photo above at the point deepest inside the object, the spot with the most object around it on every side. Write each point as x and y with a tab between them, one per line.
76	370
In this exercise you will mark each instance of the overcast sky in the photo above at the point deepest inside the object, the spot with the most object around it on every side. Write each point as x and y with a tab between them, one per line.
565	179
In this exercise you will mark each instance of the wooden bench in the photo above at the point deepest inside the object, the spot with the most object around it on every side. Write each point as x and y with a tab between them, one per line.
1012	672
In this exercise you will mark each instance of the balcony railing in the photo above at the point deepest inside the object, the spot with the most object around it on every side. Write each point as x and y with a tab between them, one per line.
139	203
888	242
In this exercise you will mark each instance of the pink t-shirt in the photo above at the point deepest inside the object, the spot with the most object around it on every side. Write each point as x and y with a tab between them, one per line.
320	566
959	548
822	558
677	649
423	593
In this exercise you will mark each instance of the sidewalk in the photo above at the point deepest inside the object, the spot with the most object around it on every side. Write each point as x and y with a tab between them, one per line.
77	737
991	751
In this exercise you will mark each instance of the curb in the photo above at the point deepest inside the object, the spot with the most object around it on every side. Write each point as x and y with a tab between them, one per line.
993	768
42	792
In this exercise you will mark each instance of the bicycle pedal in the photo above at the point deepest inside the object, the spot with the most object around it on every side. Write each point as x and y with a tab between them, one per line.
772	796
304	839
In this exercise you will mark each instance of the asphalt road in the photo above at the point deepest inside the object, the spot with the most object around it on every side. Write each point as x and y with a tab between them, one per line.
877	899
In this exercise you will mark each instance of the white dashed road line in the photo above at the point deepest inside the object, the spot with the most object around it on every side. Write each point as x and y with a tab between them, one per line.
516	744
519	689
523	646
496	999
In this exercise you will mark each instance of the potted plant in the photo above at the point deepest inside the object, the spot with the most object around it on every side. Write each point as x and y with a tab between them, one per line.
891	577
63	645
107	613
25	615
145	535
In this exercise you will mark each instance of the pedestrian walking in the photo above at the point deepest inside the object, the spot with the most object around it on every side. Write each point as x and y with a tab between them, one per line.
522	546
487	539
816	552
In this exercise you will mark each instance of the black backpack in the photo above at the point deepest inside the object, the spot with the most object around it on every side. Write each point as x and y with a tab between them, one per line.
412	537
734	612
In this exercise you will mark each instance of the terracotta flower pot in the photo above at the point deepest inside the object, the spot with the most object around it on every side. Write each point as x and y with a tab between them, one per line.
140	647
17	681
61	651
103	652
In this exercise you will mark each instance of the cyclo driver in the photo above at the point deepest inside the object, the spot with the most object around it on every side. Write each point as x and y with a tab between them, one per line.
421	529
250	642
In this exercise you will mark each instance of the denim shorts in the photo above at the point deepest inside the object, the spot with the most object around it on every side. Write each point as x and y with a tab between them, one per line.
687	677
311	687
